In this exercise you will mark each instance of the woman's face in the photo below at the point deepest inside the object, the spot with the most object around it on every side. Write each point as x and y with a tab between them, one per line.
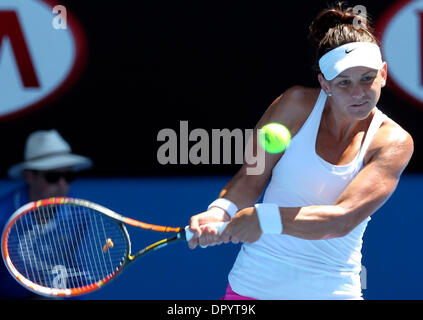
356	90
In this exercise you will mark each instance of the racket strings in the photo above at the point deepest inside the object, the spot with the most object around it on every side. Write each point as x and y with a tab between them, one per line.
66	246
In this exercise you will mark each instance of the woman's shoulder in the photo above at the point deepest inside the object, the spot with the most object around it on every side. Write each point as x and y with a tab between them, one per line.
300	98
392	139
294	106
391	132
302	92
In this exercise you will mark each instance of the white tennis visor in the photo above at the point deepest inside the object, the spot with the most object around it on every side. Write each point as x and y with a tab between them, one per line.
349	55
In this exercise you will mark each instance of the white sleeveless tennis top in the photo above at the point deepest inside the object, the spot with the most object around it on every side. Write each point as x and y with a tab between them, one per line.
286	267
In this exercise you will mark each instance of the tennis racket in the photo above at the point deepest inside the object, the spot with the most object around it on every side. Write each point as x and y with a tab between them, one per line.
67	247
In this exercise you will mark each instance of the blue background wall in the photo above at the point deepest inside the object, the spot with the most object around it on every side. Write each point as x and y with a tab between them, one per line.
392	252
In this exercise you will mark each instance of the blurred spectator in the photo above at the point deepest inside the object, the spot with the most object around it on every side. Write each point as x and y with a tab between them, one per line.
48	168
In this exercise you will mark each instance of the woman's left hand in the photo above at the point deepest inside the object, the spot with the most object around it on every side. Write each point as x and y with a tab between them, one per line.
244	227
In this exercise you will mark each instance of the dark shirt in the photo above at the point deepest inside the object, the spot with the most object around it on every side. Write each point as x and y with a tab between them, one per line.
9	203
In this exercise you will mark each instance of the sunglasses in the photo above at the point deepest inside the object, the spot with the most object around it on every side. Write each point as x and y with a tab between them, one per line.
55	176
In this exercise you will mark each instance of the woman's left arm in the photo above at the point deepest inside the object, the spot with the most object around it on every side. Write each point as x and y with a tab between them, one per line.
389	154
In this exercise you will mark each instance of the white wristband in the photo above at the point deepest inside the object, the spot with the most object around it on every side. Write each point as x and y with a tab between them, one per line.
269	218
226	205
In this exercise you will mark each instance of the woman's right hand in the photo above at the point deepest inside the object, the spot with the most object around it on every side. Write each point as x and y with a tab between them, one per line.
206	235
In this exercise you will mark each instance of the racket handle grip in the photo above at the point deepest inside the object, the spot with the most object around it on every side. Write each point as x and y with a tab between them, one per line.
219	225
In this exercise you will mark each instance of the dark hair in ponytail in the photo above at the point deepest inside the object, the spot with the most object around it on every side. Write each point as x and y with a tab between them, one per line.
336	26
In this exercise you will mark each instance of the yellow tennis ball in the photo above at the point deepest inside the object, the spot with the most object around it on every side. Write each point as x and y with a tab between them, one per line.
274	137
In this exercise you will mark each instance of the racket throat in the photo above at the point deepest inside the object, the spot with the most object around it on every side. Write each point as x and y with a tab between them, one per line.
131	258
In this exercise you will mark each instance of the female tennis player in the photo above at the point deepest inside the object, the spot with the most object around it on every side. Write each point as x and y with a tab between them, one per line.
344	161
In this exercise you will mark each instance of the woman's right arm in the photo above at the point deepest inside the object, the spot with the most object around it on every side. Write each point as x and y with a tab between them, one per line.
245	189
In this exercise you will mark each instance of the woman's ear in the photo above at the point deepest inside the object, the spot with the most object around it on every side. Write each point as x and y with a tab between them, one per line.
324	84
384	73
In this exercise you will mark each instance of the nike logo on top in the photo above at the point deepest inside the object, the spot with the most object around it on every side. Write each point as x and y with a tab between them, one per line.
348	51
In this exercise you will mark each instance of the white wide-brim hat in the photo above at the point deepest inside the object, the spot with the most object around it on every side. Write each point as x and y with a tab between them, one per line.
47	150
